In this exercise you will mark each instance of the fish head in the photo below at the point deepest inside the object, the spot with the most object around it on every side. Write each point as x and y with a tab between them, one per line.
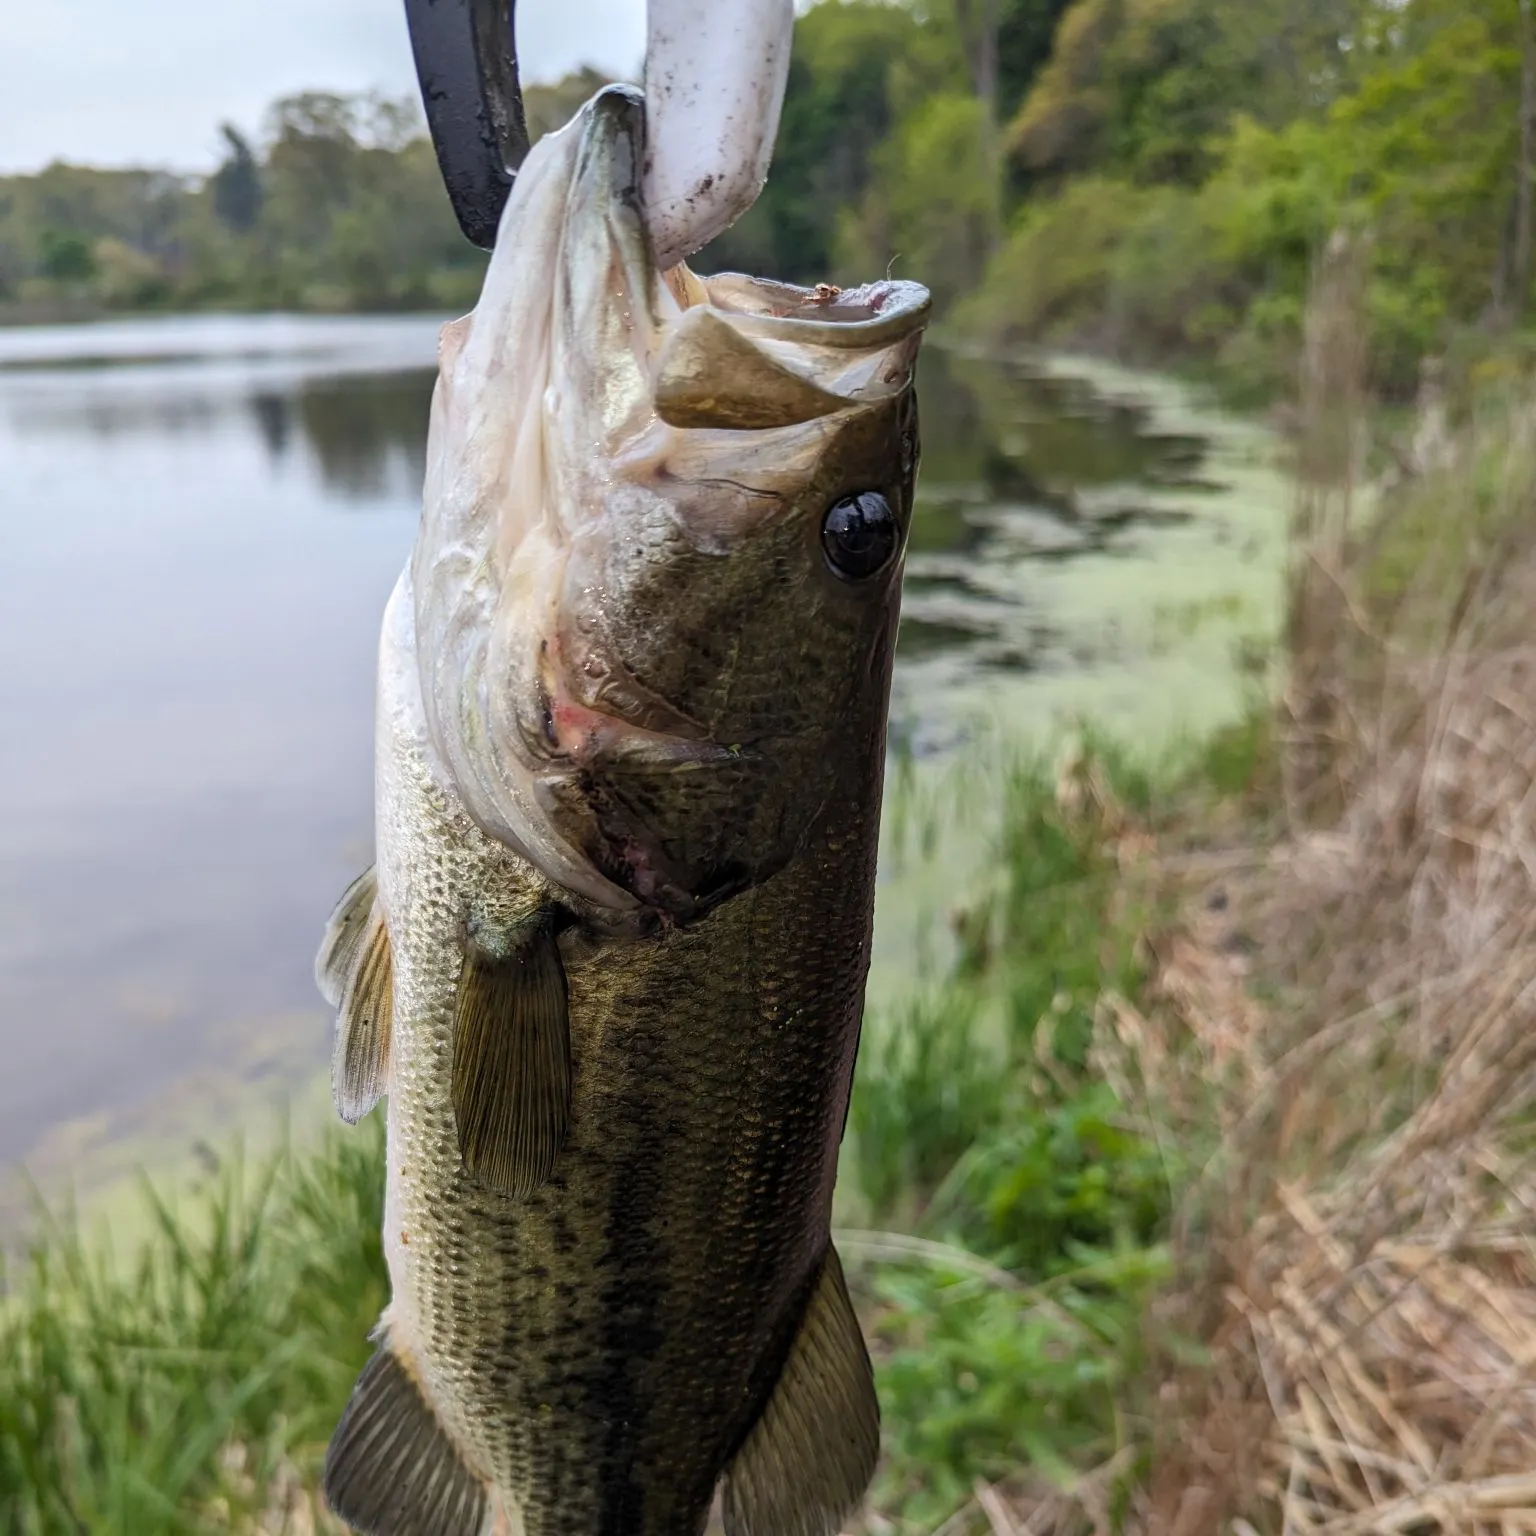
657	581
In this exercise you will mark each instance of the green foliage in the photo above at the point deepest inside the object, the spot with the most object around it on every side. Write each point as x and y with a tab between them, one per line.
340	207
236	185
1035	952
1207	148
981	1377
131	1396
1009	1320
927	1084
1026	35
354	214
1142	87
66	257
932	202
1242	760
1055	1184
1054	277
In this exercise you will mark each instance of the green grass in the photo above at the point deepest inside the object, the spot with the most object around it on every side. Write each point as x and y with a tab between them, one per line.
1011	1333
166	1395
1016	1208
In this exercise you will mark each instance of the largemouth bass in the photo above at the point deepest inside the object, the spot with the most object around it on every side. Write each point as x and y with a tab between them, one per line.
609	966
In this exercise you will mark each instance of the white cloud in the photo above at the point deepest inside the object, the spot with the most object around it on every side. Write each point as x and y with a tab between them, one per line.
147	82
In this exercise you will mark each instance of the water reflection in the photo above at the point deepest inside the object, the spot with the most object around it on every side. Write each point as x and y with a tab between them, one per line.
1022	469
367	432
188	629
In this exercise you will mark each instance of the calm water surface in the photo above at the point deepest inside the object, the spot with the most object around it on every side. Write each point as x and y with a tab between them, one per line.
200	521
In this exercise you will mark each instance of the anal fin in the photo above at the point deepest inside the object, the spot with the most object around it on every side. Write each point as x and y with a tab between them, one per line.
808	1460
391	1470
365	1026
512	1056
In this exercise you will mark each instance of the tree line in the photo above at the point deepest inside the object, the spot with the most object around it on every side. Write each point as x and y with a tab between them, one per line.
336	202
1148	177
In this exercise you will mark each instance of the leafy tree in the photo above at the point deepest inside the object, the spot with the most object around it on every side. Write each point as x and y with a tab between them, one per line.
853	61
1146	85
1026	35
236	184
67	256
312	165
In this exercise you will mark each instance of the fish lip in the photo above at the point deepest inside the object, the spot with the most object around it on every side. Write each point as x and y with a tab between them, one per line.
615	126
866	318
617	115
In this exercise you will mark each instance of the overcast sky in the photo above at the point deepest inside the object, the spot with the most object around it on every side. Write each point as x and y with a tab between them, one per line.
147	82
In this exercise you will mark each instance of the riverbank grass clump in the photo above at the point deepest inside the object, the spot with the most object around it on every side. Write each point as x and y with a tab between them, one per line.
1022	1205
1373	1240
191	1386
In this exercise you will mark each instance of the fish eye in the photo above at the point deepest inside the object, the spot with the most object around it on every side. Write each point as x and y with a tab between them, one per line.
859	535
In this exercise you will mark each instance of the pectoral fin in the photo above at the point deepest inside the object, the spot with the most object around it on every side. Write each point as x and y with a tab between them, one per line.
808	1460
344	935
356	974
364	1027
512	1057
390	1469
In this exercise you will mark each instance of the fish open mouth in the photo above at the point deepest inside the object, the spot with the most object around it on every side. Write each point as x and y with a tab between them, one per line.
612	447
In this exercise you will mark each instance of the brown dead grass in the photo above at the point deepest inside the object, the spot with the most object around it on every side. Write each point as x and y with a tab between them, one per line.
1370	1223
1361	1253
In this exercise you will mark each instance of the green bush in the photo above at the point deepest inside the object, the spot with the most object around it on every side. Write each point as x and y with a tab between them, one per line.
983	1378
1052	278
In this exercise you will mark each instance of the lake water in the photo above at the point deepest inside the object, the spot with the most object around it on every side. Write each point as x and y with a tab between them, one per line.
200	520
